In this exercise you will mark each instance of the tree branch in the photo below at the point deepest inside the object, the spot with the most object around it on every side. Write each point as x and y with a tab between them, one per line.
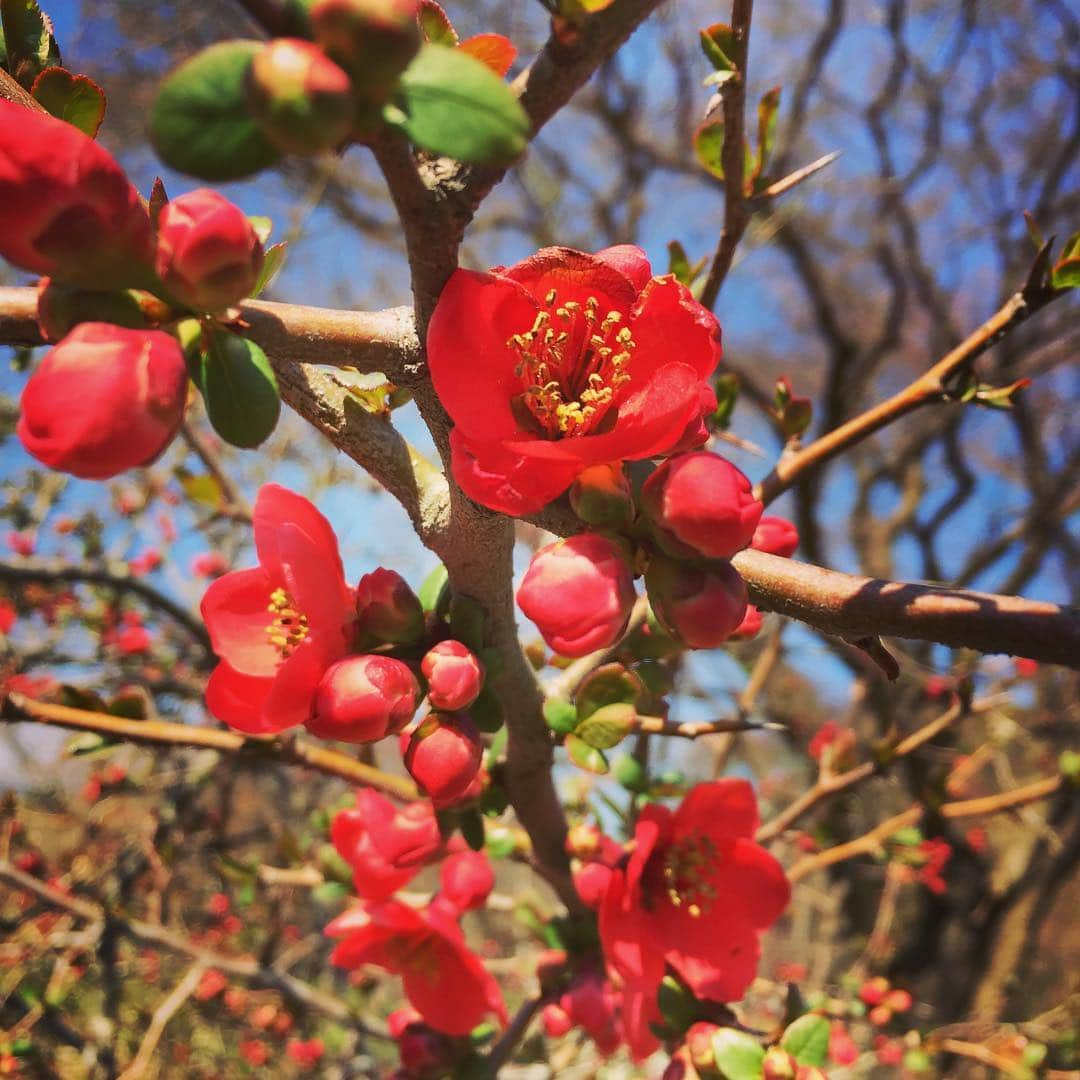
857	607
286	749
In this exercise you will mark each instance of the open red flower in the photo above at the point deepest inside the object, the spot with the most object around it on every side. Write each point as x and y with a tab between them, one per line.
563	361
695	893
278	626
444	981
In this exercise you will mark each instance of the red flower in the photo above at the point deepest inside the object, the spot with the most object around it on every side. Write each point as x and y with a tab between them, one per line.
104	400
591	1003
307	1054
695	893
466	880
700	505
208	255
278	626
386	846
701	606
8	615
363	699
66	207
579	592
454	674
443	980
567	360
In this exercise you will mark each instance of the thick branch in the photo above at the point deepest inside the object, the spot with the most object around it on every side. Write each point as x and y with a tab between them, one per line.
857	607
18	708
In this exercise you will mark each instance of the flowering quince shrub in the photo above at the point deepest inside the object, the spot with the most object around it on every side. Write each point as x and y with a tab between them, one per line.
453	783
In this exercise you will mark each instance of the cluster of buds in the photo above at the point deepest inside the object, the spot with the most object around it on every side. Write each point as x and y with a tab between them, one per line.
690	516
111	395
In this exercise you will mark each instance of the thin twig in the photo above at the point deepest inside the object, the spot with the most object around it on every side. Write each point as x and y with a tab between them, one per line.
168	1008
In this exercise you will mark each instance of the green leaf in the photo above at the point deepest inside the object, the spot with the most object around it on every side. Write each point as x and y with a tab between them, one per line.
768	108
560	715
807	1039
609	684
451	103
132	705
435	24
679	264
329	893
28	44
467	621
630	773
607	726
471	824
273	261
203	489
240	390
727	395
435	588
487	711
718	45
709	146
585	756
73	98
199	122
369	390
1066	273
738	1054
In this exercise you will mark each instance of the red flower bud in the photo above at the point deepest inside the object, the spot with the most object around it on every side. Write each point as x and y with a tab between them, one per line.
454	674
601	497
699	1044
874	990
104	400
443	756
66	207
364	698
208	255
299	97
749	627
775	536
700	504
373	39
700	605
387	610
579	592
466	879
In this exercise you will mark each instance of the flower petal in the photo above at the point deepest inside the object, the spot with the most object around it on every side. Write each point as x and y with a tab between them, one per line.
575	275
630	261
234	610
668	322
716	958
471	366
276	506
317	587
293	693
496	477
238	700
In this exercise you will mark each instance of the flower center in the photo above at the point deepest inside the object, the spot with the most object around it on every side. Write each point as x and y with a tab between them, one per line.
288	627
571	365
687	870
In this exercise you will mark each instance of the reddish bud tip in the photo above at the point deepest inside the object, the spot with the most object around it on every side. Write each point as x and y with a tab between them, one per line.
373	39
443	756
775	536
455	676
388	612
364	698
700	605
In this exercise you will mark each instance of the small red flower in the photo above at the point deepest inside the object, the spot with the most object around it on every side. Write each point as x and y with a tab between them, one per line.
775	536
466	880
306	1054
363	699
209	564
67	209
8	616
579	592
104	400
591	1003
695	893
702	606
210	985
443	756
208	255
455	676
133	640
567	360
443	980
386	846
278	626
700	505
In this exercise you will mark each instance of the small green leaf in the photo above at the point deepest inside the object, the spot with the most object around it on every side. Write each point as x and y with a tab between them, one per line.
718	45
240	390
501	842
585	756
560	715
435	588
203	489
73	98
273	261
607	726
727	395
471	824
262	225
329	893
199	122
467	621
709	146
768	108
435	24
487	711
27	41
630	773
451	103
1066	273
807	1039
738	1054
369	390
609	684
679	264
132	705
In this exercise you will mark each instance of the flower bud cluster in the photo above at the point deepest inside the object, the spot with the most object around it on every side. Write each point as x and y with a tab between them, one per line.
111	395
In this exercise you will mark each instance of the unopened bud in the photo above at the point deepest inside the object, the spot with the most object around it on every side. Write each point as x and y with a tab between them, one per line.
700	605
388	612
443	756
454	674
299	97
374	40
601	497
364	698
